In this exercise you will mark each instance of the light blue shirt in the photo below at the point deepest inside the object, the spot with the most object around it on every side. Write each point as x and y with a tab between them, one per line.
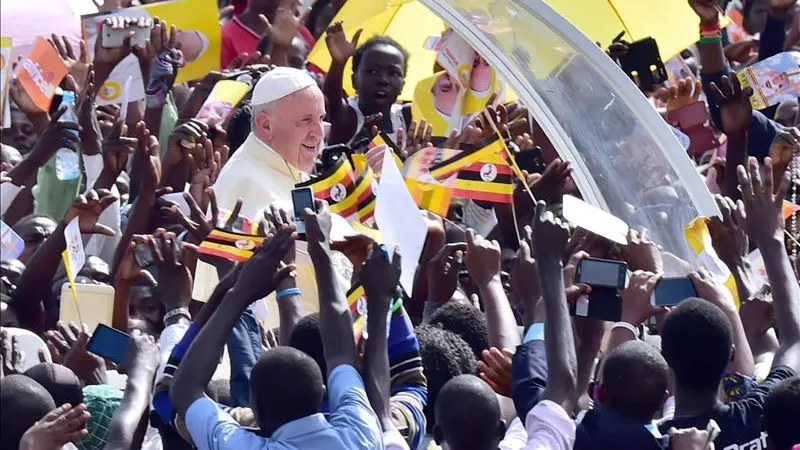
351	425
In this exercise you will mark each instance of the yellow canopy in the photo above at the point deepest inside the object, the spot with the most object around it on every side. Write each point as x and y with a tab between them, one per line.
406	21
672	23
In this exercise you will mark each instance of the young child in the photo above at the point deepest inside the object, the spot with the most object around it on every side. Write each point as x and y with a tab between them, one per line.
379	69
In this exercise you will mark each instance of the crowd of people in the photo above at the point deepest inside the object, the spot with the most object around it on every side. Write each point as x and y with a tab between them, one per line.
484	352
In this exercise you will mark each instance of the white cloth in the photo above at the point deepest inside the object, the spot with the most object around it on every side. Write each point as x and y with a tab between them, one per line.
280	82
515	437
99	244
8	192
549	427
260	176
479	219
393	440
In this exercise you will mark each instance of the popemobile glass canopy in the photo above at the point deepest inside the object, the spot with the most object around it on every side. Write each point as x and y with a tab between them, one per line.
626	159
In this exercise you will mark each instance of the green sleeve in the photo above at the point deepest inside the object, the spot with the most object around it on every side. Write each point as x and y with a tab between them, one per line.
52	196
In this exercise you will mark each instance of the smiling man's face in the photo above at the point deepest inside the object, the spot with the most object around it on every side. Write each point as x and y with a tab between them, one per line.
293	127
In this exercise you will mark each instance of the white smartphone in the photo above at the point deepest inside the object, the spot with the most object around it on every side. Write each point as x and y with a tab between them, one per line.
302	198
114	37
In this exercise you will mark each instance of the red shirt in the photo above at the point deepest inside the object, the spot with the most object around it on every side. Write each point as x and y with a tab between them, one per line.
238	38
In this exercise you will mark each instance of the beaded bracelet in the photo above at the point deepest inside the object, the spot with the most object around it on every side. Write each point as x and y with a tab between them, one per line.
710	34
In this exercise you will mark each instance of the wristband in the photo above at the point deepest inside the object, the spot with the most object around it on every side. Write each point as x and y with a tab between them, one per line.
287	292
535	333
628	327
177	312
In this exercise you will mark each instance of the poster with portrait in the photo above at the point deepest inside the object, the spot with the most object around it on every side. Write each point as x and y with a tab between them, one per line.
198	35
5	70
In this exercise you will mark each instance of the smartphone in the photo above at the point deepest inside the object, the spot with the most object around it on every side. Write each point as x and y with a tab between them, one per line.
671	291
114	37
302	198
143	254
109	343
643	63
96	303
602	303
602	273
531	160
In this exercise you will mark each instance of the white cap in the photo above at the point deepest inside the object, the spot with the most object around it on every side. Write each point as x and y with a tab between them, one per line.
280	82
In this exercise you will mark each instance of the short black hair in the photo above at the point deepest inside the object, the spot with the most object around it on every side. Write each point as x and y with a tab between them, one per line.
468	414
313	17
24	403
61	382
782	414
375	41
466	321
286	385
444	356
696	341
219	390
634	379
307	338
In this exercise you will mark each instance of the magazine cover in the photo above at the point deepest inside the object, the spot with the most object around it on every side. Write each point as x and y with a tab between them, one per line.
774	80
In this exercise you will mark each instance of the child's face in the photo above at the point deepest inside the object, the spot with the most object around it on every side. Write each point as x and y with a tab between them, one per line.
380	76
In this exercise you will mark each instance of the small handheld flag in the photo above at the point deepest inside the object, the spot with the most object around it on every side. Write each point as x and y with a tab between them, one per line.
230	245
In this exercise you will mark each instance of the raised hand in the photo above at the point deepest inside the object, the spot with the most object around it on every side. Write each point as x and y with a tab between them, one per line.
87	208
163	43
142	354
642	254
636	306
734	104
108	57
690	439
339	47
355	247
148	162
78	65
318	229
279	219
184	139
174	279
686	92
283	28
418	137
712	290
551	185
571	289
60	426
137	256
380	275
203	166
57	135
495	369
550	235
483	259
68	342
763	209
11	358
707	10
118	147
525	284
443	271
728	236
262	273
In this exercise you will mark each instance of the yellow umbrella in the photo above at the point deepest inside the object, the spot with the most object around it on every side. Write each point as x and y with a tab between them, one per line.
672	23
406	21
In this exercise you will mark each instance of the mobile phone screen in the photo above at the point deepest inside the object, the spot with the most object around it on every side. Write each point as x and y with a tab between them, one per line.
671	291
302	198
109	343
531	160
599	272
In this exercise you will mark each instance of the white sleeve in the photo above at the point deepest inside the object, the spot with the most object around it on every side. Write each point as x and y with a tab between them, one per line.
516	437
549	427
167	341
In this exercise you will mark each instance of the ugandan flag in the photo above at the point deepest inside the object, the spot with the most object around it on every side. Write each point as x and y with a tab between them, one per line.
483	174
366	196
433	197
383	139
357	300
229	245
335	187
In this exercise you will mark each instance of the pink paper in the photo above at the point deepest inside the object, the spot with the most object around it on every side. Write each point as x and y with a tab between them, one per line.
24	21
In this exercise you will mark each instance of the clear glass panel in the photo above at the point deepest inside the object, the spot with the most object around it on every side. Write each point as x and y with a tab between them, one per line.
626	159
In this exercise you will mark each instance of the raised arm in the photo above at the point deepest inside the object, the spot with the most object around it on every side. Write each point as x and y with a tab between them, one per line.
483	263
550	236
765	225
336	323
380	277
257	279
341	50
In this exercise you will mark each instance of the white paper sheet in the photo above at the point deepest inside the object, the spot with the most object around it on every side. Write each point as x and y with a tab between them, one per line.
599	222
399	220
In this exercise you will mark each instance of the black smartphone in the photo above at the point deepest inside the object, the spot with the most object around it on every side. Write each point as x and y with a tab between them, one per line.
143	254
302	198
671	291
531	160
643	63
603	303
602	273
108	343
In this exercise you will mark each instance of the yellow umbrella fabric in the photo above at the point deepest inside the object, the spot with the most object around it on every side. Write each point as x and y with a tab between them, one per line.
406	21
671	23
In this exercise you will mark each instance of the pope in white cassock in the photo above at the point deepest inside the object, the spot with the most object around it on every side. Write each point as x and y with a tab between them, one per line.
285	138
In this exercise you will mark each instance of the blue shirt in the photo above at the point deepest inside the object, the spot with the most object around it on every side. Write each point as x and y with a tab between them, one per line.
351	425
